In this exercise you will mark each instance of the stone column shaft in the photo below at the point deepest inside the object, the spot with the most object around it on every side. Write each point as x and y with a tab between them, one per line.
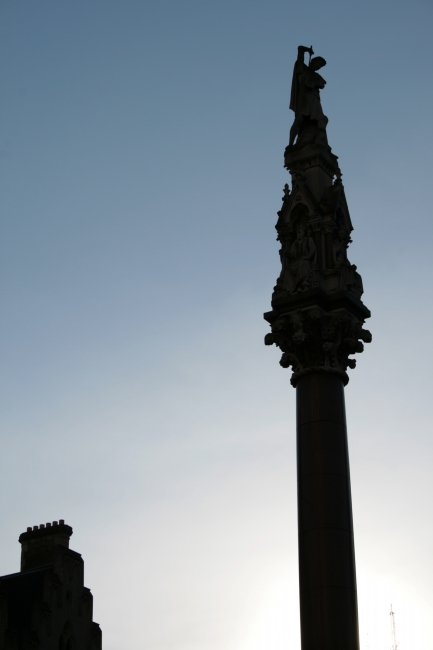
327	579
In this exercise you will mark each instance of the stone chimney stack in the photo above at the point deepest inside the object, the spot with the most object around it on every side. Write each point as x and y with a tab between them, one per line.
39	544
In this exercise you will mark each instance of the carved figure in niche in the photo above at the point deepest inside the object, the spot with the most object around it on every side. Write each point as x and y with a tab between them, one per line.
298	263
341	243
305	95
350	279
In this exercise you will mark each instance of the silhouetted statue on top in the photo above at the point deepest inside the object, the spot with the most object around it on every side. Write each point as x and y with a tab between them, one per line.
305	95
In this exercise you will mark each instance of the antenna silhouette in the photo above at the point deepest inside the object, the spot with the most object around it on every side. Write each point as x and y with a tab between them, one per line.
393	630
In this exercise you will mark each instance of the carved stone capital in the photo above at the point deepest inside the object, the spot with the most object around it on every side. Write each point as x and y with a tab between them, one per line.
314	340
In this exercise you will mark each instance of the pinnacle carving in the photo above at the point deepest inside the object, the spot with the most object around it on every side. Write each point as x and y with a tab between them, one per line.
317	314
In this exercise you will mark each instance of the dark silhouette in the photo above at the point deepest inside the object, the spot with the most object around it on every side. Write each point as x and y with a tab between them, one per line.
46	606
317	322
305	95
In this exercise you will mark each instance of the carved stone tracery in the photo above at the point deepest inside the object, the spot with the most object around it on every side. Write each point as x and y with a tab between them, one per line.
314	239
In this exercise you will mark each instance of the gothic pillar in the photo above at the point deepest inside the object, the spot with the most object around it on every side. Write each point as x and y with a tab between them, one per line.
317	322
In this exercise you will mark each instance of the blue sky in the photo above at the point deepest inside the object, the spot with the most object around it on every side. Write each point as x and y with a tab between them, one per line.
141	169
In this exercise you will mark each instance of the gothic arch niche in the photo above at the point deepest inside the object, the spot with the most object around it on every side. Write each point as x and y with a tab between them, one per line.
298	254
67	639
299	217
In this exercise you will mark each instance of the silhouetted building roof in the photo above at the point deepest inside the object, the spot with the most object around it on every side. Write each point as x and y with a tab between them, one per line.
46	606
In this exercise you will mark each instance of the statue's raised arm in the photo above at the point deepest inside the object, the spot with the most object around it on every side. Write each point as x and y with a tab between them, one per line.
305	95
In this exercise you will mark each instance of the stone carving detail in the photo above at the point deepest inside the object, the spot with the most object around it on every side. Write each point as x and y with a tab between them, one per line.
314	242
299	263
313	340
317	315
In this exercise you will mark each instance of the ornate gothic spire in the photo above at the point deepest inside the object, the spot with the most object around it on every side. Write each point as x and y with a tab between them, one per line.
317	313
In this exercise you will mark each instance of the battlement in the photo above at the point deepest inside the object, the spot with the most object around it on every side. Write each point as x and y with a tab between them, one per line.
38	543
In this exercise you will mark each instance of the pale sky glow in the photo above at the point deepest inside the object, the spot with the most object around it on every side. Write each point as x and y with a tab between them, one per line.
141	153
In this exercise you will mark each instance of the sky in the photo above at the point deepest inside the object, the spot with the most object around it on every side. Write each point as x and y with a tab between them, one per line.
141	169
